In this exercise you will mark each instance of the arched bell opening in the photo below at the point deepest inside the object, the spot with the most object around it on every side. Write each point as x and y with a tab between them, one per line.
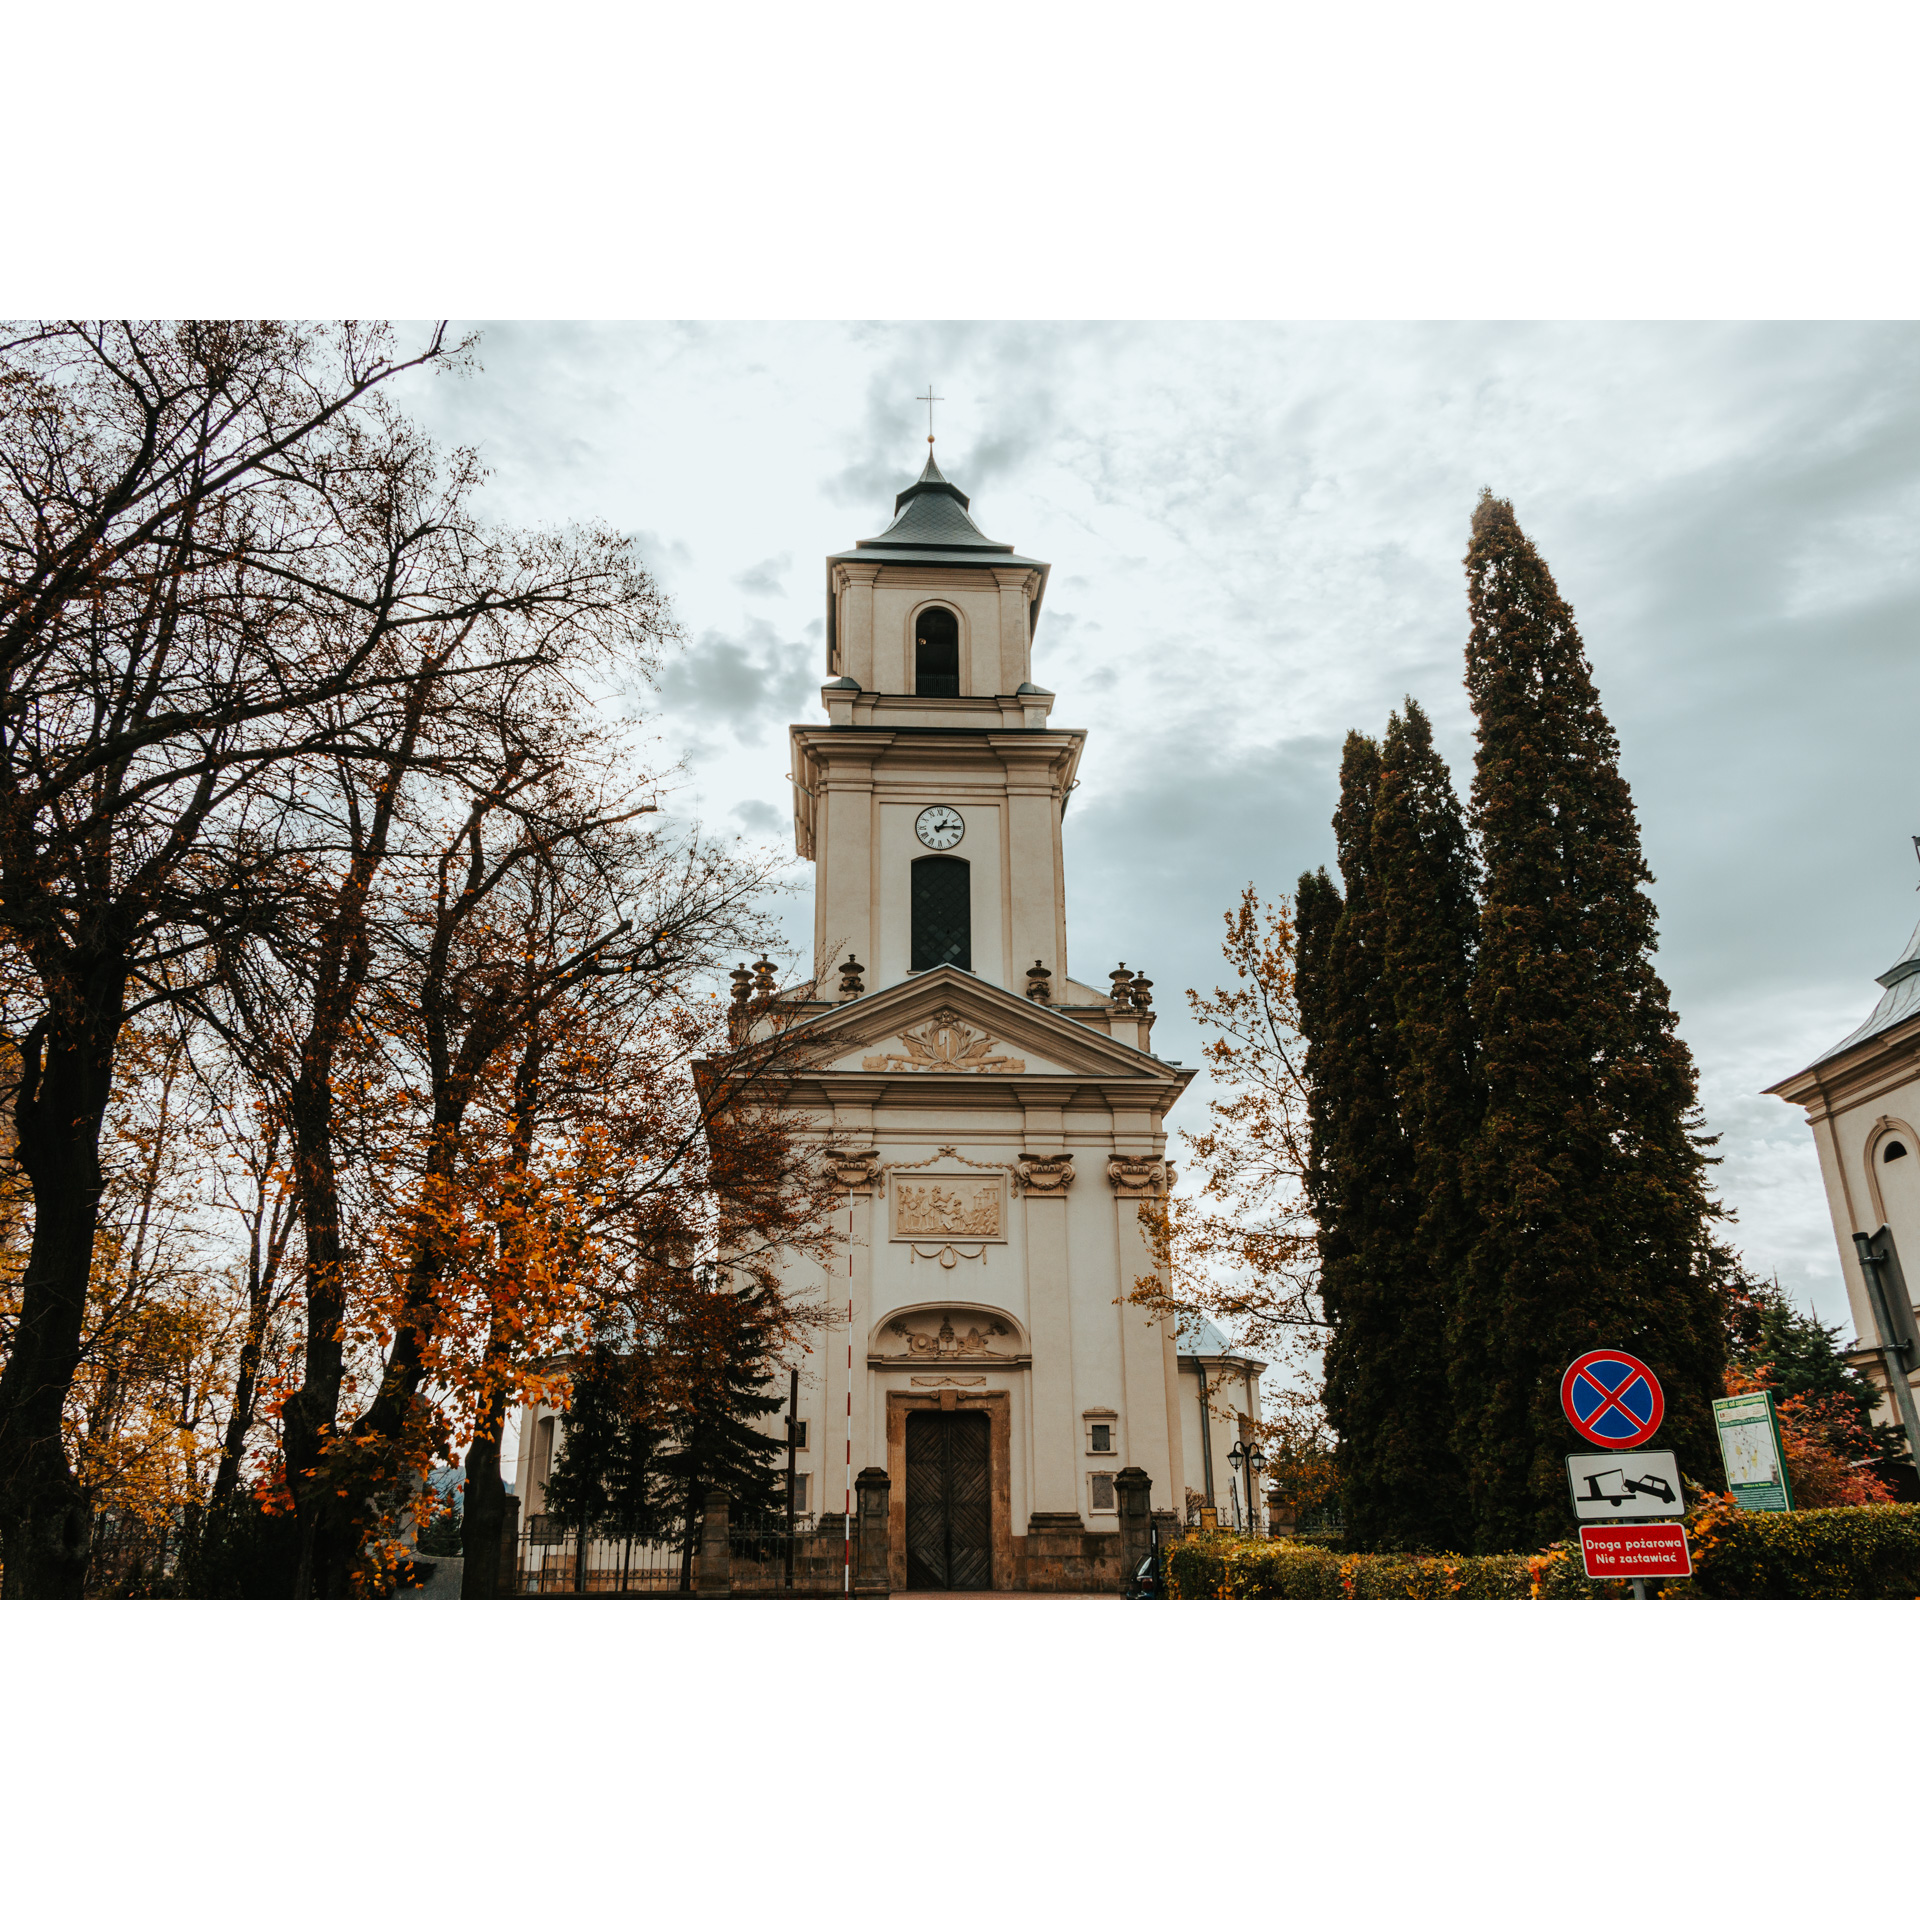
936	654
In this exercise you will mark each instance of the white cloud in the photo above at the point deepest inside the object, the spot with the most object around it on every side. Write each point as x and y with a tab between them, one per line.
1256	534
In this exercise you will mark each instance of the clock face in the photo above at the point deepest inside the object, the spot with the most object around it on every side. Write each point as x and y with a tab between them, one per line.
939	828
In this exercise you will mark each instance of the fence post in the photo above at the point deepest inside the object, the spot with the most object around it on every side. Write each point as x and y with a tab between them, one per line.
872	1493
715	1578
1134	1489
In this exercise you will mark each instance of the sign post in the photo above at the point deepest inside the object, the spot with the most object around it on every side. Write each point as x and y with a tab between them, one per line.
1751	1452
1613	1400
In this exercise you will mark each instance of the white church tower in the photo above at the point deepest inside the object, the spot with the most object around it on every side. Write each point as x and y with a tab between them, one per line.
999	1122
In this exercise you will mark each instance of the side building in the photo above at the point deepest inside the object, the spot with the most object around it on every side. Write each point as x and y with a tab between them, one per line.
1862	1099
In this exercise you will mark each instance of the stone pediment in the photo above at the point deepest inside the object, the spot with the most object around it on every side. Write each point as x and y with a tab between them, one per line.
948	1023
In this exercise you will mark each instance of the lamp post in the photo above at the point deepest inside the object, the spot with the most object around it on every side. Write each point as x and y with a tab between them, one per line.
1250	1460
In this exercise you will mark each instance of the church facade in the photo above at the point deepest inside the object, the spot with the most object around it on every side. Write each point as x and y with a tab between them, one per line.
997	1123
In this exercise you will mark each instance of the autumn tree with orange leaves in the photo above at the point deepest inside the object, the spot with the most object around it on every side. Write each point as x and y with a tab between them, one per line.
303	761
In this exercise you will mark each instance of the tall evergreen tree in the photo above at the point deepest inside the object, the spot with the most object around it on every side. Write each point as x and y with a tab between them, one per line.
1422	881
1385	1366
1587	1170
1316	912
714	1442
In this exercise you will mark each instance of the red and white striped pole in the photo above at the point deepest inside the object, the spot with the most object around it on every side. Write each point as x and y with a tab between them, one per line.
847	1542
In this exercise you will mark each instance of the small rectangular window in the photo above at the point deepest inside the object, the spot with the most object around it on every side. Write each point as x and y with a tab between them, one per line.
1102	1492
801	1503
800	1436
1102	1441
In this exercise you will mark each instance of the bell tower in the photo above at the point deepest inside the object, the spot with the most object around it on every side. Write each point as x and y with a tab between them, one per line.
931	802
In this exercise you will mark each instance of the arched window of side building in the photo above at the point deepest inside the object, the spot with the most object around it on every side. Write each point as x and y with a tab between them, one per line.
936	654
942	914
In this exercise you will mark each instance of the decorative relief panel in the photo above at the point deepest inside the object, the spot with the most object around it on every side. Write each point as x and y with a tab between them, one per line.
949	1207
944	1044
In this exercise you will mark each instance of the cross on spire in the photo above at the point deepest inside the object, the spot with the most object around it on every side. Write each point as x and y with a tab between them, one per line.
930	397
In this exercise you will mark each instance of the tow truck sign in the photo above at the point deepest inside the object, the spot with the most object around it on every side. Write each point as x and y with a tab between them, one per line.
1625	1486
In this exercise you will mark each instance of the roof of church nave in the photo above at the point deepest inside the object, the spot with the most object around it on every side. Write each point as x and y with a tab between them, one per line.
1207	1342
1900	1001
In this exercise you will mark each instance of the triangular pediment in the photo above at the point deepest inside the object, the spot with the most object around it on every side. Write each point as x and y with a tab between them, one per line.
948	1023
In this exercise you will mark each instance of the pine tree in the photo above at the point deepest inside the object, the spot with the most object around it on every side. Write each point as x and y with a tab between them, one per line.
1587	1170
607	1479
714	1441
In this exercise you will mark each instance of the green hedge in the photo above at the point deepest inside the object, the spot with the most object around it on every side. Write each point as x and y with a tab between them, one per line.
1832	1553
1828	1553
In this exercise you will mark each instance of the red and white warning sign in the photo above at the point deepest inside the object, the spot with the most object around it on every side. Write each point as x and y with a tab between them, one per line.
1636	1552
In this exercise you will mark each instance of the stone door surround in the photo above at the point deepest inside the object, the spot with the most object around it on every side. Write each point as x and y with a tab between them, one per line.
998	1407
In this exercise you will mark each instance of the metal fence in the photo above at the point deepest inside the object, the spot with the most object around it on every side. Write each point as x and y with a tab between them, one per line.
554	1560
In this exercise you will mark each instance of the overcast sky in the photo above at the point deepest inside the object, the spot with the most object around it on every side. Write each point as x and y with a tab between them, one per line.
1256	533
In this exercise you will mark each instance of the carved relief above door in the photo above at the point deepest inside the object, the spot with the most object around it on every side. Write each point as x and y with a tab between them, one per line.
976	1336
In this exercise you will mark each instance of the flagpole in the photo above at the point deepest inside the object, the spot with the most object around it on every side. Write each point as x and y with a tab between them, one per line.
846	1556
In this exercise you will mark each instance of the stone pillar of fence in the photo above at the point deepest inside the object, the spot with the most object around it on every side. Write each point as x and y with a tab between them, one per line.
1134	1490
714	1577
872	1490
507	1580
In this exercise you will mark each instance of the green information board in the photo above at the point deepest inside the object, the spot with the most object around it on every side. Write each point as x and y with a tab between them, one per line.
1750	1447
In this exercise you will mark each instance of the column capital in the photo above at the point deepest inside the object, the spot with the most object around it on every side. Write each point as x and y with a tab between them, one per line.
1043	1175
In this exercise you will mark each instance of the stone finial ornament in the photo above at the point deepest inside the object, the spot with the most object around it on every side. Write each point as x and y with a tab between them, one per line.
1122	985
742	985
852	978
1039	987
763	972
1142	993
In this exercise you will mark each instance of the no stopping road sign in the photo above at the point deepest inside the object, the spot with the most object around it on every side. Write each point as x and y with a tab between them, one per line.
1612	1399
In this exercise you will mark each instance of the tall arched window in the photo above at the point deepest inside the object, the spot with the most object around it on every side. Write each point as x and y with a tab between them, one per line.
942	914
936	654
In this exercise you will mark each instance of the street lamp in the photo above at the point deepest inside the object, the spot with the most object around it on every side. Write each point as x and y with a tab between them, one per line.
1250	1460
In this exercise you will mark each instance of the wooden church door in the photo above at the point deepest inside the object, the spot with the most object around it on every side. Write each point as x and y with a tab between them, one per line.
949	1508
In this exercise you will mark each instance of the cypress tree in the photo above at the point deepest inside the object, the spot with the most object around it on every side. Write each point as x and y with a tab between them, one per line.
1386	1388
1587	1170
1423	879
1316	911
